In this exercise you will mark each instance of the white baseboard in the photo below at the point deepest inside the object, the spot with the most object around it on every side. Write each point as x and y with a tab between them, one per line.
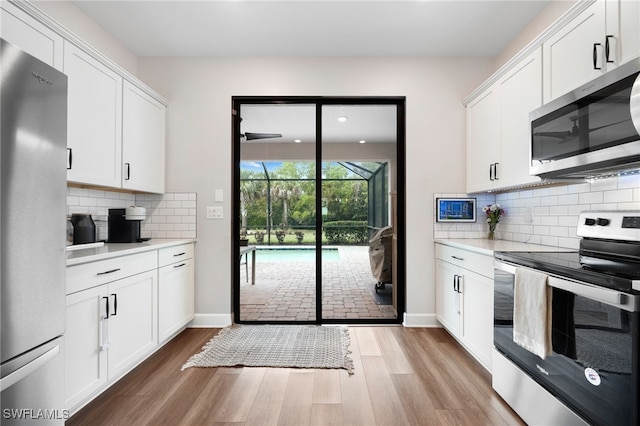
223	320
211	321
420	320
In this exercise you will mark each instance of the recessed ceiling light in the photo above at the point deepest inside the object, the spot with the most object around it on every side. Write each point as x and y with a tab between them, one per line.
342	118
297	141
363	141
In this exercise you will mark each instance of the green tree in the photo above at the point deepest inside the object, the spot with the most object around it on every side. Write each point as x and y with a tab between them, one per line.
250	191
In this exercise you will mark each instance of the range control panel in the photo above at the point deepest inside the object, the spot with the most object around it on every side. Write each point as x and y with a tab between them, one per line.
621	225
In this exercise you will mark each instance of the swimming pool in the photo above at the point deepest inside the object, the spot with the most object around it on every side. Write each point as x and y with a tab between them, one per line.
297	254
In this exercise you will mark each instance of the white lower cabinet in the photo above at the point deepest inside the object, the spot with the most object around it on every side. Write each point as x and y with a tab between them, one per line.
119	311
464	299
176	297
110	328
448	306
133	321
86	354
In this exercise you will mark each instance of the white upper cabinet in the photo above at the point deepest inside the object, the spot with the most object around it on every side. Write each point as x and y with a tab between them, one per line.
629	46
483	141
498	126
602	37
94	126
520	93
30	35
112	118
143	141
576	53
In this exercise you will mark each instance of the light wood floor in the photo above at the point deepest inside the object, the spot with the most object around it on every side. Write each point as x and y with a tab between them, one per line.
403	376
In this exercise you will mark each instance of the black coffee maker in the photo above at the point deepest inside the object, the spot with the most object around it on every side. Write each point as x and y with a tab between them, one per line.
124	225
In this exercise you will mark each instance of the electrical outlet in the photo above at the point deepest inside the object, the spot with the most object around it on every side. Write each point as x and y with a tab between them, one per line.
214	212
528	214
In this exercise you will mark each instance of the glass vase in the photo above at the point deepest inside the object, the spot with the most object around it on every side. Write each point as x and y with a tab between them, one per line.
492	231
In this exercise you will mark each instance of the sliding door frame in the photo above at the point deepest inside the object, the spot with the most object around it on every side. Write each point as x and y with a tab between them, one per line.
319	102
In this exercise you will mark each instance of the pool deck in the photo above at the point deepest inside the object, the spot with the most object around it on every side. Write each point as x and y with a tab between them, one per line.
285	291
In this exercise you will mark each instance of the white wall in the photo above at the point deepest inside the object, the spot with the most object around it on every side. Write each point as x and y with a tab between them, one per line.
199	144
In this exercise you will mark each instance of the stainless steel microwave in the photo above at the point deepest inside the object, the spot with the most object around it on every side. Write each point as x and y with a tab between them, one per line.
591	131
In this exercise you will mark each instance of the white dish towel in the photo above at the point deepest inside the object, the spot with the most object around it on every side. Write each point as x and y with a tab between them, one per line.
532	312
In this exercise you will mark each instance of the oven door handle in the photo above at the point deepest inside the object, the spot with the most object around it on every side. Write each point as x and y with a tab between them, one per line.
601	294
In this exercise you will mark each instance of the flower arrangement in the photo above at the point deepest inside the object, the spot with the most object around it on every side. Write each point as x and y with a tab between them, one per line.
494	213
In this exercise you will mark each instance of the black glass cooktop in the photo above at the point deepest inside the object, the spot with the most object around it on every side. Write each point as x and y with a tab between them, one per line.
570	264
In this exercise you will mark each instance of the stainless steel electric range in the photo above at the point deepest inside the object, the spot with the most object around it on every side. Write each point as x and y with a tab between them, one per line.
592	375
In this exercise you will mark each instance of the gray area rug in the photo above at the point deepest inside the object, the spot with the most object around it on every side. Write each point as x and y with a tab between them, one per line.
299	346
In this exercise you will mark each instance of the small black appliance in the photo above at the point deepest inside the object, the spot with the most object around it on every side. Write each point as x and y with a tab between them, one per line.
124	225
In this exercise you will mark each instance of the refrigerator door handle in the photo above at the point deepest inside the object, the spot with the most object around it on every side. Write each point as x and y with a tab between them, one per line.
29	368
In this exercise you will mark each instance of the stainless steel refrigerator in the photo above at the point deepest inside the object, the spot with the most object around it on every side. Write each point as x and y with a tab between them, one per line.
32	234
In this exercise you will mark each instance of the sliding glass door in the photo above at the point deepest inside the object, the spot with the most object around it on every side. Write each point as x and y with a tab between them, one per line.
313	184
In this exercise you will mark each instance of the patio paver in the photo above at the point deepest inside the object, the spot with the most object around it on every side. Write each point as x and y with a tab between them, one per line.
285	291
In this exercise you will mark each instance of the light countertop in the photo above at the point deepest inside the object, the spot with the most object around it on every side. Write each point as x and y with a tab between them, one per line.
109	250
488	247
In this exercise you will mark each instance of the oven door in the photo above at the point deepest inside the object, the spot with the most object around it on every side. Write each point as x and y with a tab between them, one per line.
594	365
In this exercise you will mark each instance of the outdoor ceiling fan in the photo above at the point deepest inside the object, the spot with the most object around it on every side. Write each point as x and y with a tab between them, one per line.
253	136
568	135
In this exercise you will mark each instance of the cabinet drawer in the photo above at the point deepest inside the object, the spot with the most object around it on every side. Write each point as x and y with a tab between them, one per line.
169	255
80	277
476	262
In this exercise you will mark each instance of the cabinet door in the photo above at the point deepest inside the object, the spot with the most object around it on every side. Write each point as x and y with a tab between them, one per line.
447	299
520	93
32	36
629	30
569	54
143	141
94	120
133	321
477	315
483	140
86	345
175	298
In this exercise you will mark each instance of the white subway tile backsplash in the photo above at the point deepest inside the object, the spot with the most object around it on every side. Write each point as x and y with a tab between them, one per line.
590	197
171	215
618	196
555	211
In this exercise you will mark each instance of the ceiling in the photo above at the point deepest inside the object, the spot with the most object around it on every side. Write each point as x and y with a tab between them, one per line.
452	28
